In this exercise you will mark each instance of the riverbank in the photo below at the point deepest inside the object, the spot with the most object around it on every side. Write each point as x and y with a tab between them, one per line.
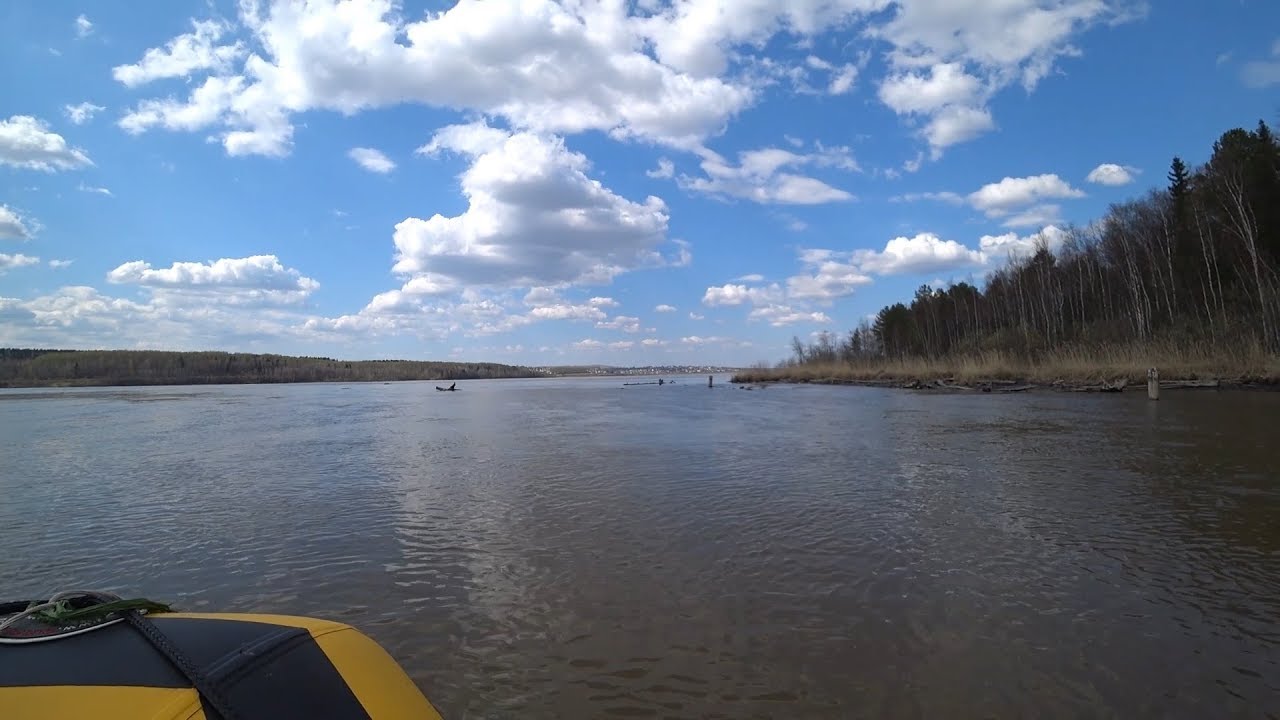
20	368
1106	369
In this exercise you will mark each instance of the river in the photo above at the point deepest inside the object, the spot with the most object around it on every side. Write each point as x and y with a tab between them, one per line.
573	548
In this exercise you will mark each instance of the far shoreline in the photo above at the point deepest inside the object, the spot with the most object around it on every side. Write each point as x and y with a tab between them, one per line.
942	380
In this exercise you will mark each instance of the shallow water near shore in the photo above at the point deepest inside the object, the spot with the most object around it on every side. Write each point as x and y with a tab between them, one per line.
574	548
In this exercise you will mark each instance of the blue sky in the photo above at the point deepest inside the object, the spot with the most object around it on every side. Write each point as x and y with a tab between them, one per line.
553	182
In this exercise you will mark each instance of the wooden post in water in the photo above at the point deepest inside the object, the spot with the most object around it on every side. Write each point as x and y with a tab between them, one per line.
1153	384
711	379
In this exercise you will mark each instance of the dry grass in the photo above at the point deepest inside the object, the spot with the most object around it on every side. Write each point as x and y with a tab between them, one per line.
1072	365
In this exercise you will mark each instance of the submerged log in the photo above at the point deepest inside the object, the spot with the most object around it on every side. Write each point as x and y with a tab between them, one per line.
1117	386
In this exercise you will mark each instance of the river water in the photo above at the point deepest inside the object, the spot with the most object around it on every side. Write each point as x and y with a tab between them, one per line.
574	548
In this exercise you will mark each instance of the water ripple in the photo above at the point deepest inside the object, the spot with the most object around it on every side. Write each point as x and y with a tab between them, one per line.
569	549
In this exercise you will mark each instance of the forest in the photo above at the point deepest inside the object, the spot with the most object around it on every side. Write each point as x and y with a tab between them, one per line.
37	368
1186	278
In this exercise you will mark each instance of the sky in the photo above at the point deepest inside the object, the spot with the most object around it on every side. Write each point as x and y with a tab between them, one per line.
541	182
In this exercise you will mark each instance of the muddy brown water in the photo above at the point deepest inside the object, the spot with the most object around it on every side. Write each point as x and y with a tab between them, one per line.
573	548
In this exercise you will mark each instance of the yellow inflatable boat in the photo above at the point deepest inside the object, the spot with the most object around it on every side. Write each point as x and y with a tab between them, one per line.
94	655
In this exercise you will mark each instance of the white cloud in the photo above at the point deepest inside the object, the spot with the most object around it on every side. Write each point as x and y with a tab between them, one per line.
1043	214
372	160
973	49
750	278
1019	38
535	218
793	141
84	26
653	342
248	279
1262	73
696	36
588	344
759	176
544	66
709	340
842	80
59	264
1112	174
27	142
825	280
1001	247
945	196
83	317
956	124
92	189
9	262
780	315
921	254
567	312
603	302
621	322
665	308
183	55
947	84
726	295
696	316
622	345
666	169
1000	198
82	112
13	225
541	296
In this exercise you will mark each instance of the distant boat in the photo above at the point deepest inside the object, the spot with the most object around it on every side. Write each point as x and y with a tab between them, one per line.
451	388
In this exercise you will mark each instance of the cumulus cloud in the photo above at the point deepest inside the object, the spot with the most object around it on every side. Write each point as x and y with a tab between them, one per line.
12	225
950	57
1112	174
665	308
84	26
542	65
1045	213
8	262
956	124
83	317
372	160
183	55
1000	198
923	253
1011	245
81	113
762	176
825	279
666	169
255	278
781	315
534	217
946	84
624	323
588	344
730	294
26	142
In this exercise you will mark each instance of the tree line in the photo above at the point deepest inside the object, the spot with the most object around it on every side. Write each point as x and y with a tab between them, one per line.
1196	261
32	368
